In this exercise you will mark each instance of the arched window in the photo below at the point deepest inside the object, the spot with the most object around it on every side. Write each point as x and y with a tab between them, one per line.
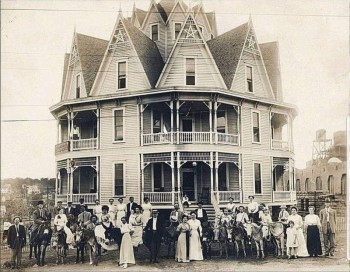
330	184
343	184
318	183
297	186
307	188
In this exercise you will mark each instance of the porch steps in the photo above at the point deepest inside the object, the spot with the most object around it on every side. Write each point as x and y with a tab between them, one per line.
209	208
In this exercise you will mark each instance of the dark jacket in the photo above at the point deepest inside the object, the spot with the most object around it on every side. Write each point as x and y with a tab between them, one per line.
12	235
71	211
39	217
205	215
133	207
150	235
78	209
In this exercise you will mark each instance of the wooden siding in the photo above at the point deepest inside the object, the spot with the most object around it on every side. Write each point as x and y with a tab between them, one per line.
260	83
135	78
75	70
177	16
206	75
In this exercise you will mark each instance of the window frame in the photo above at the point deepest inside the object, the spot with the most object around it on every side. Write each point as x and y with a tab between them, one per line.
195	70
174	33
252	124
76	87
114	163
261	179
126	73
151	32
152	123
246	78
162	176
113	125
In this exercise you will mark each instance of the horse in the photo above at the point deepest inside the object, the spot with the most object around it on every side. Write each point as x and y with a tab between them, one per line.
85	237
208	237
239	235
32	247
277	232
170	236
221	236
254	231
41	238
59	244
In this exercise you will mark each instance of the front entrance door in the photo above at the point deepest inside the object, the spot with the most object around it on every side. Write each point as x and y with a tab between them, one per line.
189	182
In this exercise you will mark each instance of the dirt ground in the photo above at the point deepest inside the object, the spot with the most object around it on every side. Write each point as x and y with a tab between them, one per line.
109	262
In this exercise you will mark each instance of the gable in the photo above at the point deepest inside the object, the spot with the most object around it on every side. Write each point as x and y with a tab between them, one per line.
74	70
201	19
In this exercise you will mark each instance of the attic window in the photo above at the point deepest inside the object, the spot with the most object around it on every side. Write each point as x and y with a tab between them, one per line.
249	78
154	32
121	74
190	71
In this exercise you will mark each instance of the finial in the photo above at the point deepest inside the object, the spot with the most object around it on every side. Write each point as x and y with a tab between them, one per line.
120	8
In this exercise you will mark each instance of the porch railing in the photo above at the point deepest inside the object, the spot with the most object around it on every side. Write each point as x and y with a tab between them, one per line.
194	137
223	196
88	198
224	138
157	138
280	145
158	197
62	148
84	144
280	196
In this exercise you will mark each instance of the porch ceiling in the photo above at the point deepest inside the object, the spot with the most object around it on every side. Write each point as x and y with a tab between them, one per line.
279	120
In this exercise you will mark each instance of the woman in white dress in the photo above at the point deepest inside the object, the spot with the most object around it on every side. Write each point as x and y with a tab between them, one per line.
181	254
121	212
126	249
298	224
136	222
60	221
146	211
195	242
112	209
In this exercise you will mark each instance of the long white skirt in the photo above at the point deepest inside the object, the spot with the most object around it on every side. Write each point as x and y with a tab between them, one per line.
136	237
126	250
195	246
302	249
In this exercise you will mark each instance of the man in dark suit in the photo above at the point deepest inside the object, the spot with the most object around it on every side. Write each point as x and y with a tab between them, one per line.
40	215
78	207
201	213
153	235
16	240
84	216
328	218
70	209
131	206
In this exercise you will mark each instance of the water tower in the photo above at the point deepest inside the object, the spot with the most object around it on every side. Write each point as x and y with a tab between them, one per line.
321	146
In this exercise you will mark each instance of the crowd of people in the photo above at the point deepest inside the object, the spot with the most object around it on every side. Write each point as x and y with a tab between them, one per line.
139	224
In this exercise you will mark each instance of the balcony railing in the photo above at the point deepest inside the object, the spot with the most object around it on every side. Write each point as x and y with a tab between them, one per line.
224	138
223	196
157	138
62	148
159	197
281	196
88	198
280	145
84	144
194	137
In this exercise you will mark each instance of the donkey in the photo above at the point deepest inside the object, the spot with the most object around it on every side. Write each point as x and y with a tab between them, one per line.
277	232
239	235
254	231
84	237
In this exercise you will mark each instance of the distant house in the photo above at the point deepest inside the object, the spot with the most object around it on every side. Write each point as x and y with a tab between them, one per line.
168	107
33	189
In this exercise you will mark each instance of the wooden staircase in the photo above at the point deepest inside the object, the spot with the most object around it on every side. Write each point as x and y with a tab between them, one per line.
208	207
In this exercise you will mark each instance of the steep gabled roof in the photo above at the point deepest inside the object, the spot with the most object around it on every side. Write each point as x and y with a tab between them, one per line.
165	7
91	51
226	50
65	68
212	21
147	52
141	15
270	54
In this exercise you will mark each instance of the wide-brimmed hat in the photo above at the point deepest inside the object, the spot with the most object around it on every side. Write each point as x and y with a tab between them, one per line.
17	216
283	207
70	202
251	196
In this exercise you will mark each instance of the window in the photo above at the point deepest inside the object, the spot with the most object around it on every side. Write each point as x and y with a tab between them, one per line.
77	86
118	125
249	77
256	127
157	177
221	121
257	178
122	75
118	179
177	29
154	32
190	71
157	122
298	185
318	183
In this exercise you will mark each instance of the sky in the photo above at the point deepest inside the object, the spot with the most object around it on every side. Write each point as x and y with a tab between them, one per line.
313	38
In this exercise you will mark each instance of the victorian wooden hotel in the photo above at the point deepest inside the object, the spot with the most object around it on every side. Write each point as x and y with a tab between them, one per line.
167	107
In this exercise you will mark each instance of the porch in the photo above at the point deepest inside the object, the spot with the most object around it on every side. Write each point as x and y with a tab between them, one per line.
283	180
77	178
281	132
189	122
167	177
77	131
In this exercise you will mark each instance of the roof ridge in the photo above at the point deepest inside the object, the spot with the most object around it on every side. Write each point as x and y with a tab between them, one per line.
91	36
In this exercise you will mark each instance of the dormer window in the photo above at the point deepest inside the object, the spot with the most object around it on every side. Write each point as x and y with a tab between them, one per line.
121	70
154	32
177	29
190	71
77	85
249	78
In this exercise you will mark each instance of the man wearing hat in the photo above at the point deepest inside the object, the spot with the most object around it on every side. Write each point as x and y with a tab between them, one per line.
84	216
266	220
153	235
78	207
283	214
40	215
253	209
328	218
16	239
70	210
201	214
57	208
176	215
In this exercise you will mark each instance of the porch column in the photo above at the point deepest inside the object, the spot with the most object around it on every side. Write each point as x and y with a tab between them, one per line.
211	172
172	123
211	122
215	121
270	131
216	171
69	124
289	132
69	181
98	113
177	123
98	178
172	178
58	140
239	124
178	172
141	125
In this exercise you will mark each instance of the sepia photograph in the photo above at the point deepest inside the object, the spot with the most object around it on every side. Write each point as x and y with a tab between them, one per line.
179	135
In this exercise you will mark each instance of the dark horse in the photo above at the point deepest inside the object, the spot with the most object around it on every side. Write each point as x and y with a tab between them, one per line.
85	237
40	239
170	236
59	243
208	238
239	236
